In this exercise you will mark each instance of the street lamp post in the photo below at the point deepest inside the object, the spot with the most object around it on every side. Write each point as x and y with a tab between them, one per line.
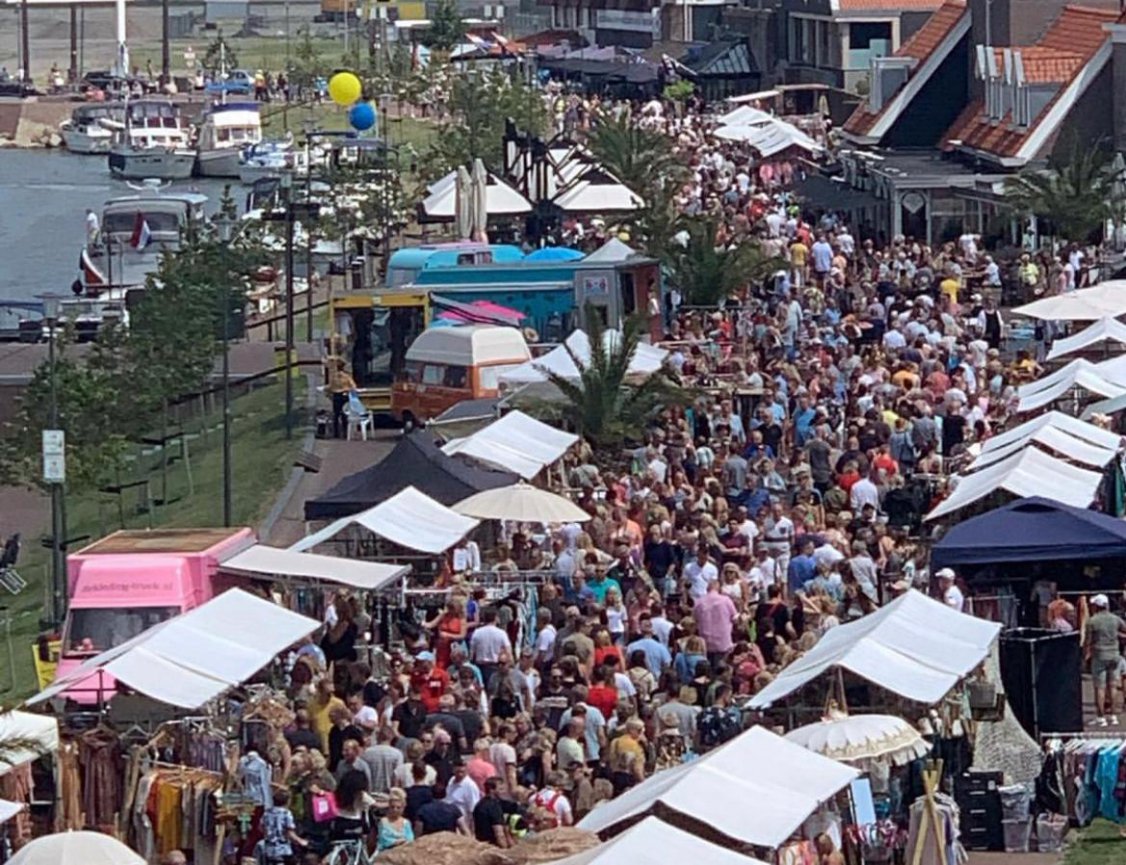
54	464
224	227
287	184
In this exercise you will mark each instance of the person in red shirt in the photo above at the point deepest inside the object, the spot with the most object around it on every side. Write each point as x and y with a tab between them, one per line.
602	694
884	460
848	477
431	681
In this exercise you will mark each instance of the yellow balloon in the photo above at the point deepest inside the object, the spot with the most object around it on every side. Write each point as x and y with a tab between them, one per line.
344	88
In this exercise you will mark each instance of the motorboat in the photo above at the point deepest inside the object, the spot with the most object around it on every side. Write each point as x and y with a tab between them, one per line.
152	143
271	159
90	127
226	131
135	231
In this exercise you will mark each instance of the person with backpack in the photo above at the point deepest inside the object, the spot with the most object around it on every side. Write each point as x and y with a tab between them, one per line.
720	722
550	805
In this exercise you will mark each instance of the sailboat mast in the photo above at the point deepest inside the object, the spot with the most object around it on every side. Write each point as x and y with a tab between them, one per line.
122	49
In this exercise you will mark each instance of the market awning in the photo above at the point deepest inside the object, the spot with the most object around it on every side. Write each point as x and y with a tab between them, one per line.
825	193
8	810
1104	332
1048	437
914	646
1029	472
787	785
25	736
195	657
1031	530
646	360
515	442
655	842
275	562
409	518
1105	300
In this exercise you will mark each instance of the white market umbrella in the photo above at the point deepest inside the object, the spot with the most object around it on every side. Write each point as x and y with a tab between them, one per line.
463	210
8	810
479	183
76	848
1105	300
862	739
522	502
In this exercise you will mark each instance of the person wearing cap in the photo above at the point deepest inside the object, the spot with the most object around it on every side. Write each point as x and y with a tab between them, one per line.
951	594
1102	639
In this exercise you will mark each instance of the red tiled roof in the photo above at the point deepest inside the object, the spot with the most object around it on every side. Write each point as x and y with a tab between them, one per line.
889	5
920	46
1061	54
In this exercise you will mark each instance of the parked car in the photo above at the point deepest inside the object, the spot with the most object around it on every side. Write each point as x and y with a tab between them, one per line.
238	81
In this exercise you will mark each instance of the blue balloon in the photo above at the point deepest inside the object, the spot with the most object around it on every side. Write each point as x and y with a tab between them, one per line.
361	116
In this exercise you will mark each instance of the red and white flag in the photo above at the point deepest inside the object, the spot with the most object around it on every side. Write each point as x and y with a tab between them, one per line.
141	232
91	276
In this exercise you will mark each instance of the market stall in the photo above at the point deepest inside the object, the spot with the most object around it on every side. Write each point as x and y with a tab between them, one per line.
24	739
517	443
1104	338
655	842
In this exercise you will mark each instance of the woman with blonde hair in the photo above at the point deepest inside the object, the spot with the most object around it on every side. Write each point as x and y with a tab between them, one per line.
394	828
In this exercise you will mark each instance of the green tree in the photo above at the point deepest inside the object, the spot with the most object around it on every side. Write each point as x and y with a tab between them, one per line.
643	159
1077	192
478	107
707	273
220	57
447	28
308	62
604	406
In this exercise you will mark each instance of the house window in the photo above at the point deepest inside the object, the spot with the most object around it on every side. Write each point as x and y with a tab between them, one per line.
871	36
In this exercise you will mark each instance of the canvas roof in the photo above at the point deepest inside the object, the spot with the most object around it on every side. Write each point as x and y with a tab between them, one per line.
654	842
1105	330
913	646
763	807
409	518
515	442
36	734
647	360
1029	472
193	658
1055	438
1105	300
500	198
1077	375
276	562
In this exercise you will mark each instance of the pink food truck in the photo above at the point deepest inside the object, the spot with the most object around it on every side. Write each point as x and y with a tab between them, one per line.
129	581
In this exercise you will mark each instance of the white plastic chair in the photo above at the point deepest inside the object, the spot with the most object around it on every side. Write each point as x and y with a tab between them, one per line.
358	417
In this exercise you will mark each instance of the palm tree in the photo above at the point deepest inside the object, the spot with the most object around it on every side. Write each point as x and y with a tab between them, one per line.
642	159
1076	193
604	406
706	273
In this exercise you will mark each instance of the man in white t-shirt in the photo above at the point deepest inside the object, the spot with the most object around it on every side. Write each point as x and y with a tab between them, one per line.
951	594
488	643
699	572
552	801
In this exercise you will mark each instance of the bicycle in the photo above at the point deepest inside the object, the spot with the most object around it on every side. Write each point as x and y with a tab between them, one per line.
353	852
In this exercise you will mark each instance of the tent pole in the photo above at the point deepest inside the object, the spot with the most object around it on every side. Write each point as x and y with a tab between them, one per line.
841	688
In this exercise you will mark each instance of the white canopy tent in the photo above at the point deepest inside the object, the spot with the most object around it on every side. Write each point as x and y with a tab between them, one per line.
500	198
744	115
1029	472
654	842
597	191
193	658
1053	439
276	562
1105	300
647	360
1105	332
515	442
25	736
1072	381
409	518
914	646
8	810
1079	429
769	137
763	807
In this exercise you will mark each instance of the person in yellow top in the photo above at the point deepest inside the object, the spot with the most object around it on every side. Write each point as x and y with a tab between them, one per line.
799	262
626	757
949	287
340	384
323	704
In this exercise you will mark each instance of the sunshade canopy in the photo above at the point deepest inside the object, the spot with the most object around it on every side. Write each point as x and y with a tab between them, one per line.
769	137
654	842
763	807
515	442
25	736
8	810
1029	472
276	562
646	360
76	848
409	518
1106	300
193	658
417	461
914	646
522	502
1078	376
862	739
501	199
1034	529
1104	332
1051	438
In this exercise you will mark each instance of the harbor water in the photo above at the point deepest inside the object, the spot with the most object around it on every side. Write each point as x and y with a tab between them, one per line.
44	195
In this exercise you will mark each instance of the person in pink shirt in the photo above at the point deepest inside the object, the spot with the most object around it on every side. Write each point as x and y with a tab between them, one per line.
480	768
715	615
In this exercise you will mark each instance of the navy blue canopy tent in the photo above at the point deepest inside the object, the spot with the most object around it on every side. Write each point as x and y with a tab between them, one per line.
1029	530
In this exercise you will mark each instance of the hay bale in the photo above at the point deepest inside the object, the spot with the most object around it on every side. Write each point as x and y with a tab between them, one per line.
445	848
552	845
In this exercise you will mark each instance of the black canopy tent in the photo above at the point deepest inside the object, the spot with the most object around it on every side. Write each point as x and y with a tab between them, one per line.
415	461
